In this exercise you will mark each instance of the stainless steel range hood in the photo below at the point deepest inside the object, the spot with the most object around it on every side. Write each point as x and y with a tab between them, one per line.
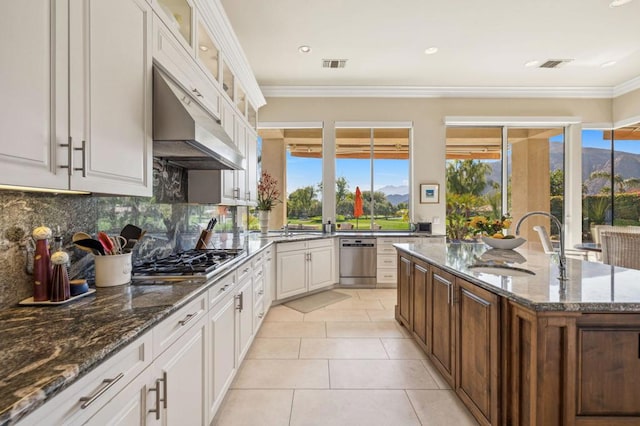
186	134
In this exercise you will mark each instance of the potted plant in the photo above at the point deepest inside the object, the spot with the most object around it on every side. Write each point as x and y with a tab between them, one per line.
268	194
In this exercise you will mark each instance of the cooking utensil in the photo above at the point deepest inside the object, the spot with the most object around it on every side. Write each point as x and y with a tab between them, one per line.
80	236
106	242
119	242
94	246
131	232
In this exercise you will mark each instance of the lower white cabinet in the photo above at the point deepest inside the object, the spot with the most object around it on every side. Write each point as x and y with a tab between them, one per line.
222	360
129	406
180	380
179	372
304	266
244	306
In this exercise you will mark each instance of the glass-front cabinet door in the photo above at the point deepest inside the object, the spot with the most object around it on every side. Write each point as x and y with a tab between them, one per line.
227	80
252	116
241	101
179	15
208	52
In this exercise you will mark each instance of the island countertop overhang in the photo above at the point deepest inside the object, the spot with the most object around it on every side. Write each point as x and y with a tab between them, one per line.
592	287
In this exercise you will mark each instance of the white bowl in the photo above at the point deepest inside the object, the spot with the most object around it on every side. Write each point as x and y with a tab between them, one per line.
504	244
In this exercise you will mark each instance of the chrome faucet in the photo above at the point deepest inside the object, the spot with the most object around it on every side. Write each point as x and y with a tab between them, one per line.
562	267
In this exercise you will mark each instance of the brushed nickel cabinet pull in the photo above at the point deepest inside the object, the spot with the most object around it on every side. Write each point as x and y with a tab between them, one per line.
88	400
156	389
82	169
68	145
188	318
164	388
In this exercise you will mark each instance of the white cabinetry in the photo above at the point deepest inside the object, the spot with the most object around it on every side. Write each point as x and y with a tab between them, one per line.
180	379
32	121
304	266
244	306
98	81
387	258
222	330
110	96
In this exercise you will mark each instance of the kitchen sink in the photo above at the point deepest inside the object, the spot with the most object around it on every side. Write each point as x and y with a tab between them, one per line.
499	269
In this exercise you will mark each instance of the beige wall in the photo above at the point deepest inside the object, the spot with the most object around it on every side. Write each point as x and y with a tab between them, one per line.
427	115
626	108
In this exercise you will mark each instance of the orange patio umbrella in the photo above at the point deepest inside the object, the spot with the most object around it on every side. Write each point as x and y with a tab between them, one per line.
357	205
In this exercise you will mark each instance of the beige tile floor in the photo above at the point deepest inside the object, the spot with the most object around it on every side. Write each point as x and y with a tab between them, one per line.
349	363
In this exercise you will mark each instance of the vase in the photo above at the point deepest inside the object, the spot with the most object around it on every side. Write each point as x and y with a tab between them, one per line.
263	215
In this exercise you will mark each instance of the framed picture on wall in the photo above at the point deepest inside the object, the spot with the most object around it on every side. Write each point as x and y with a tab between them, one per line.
429	193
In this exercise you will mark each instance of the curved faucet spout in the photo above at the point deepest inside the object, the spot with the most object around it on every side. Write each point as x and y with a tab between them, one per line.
563	260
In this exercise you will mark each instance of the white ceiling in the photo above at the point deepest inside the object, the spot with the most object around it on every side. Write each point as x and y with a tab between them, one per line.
482	44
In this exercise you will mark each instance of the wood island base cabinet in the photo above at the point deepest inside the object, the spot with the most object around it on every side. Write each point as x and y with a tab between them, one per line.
511	365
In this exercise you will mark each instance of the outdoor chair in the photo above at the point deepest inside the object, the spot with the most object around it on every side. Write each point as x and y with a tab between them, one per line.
621	249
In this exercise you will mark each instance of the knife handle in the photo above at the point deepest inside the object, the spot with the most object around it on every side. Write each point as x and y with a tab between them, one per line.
203	241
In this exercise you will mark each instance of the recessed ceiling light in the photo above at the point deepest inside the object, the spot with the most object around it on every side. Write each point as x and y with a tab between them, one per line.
203	48
304	49
430	50
531	63
608	64
618	3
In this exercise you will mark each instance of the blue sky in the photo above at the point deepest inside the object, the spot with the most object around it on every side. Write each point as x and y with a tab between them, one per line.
308	171
303	172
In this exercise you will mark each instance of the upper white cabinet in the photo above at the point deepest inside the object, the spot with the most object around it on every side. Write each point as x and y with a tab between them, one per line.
77	96
179	16
110	96
33	121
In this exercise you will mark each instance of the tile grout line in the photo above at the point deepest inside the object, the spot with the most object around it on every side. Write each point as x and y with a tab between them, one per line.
413	407
293	396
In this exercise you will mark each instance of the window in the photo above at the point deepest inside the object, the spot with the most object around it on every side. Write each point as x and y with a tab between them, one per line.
492	171
294	158
374	161
610	178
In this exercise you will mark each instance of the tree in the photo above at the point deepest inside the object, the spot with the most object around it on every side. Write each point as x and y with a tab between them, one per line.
301	202
622	184
557	182
466	177
342	187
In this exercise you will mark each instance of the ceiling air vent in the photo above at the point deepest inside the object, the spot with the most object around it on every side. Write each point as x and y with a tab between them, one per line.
334	63
555	63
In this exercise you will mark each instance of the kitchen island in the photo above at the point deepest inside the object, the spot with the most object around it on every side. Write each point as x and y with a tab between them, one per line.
522	348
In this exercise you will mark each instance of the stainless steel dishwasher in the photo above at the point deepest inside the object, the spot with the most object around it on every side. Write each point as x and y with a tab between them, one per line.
358	261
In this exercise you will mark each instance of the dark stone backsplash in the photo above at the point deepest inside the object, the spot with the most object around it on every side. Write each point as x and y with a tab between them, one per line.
171	225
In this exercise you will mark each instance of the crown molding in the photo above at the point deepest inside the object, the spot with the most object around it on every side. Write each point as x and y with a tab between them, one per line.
626	87
434	92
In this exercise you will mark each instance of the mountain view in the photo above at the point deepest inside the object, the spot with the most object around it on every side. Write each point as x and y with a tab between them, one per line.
626	164
396	194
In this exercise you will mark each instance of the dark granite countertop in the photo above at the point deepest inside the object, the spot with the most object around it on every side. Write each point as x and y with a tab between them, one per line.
592	287
47	348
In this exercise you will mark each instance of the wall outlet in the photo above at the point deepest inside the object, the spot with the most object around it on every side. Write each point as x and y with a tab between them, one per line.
436	220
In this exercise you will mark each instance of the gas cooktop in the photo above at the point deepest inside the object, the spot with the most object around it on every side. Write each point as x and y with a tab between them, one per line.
187	264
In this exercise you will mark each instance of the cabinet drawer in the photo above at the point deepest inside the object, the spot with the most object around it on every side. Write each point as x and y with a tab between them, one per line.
169	330
258	288
287	247
386	241
319	243
386	250
257	260
409	240
244	271
85	397
258	314
221	288
387	275
387	261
